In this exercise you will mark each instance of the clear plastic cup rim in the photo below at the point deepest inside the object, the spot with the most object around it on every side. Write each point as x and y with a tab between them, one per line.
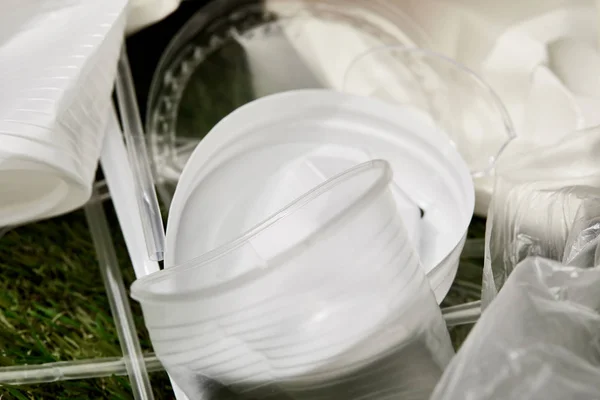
184	331
506	119
140	288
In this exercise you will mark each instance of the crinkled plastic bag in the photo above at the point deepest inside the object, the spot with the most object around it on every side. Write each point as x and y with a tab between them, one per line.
581	249
533	222
539	339
544	200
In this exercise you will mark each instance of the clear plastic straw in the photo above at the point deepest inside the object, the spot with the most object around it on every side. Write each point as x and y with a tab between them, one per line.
100	192
474	248
71	370
119	302
463	314
120	183
140	164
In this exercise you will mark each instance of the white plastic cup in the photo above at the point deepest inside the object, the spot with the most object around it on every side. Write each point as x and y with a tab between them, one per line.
304	301
266	144
39	181
57	78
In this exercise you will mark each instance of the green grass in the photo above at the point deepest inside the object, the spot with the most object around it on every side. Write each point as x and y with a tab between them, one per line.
53	306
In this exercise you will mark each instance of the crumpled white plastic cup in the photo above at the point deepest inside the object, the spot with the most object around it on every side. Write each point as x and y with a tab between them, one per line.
279	305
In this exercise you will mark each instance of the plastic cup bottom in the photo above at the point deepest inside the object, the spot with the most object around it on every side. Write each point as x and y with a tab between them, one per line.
41	185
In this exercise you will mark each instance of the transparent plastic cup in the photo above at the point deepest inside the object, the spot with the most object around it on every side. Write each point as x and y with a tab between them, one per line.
38	181
232	52
324	299
460	103
286	171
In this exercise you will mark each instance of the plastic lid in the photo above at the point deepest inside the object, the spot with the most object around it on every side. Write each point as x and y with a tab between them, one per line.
233	52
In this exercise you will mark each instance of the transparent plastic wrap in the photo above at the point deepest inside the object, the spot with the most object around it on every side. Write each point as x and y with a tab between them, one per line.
545	203
537	340
581	249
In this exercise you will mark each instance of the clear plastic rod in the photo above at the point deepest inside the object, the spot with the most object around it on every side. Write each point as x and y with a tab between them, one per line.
474	248
104	367
120	183
100	192
71	370
140	163
462	314
119	302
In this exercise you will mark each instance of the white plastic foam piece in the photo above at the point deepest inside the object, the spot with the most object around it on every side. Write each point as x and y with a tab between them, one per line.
551	111
576	62
328	46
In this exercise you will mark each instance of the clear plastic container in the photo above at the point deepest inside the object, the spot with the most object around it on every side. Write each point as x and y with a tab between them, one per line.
460	103
274	313
542	195
255	184
234	51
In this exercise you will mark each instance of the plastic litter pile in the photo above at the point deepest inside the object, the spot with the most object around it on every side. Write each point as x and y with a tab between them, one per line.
318	215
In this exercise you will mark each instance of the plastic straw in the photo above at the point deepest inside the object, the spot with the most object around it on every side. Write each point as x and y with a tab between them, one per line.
71	370
474	248
120	182
140	164
121	178
463	314
100	192
119	302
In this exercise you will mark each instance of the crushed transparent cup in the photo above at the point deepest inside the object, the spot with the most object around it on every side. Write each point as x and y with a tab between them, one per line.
324	299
